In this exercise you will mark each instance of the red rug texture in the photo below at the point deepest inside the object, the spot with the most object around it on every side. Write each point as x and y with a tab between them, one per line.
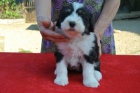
34	73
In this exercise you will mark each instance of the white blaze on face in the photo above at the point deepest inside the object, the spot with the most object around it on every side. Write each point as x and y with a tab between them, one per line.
73	17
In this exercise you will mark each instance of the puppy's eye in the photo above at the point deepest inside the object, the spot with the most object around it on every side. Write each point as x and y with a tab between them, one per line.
81	12
68	10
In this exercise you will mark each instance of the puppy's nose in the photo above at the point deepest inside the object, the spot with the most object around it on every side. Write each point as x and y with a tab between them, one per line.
72	23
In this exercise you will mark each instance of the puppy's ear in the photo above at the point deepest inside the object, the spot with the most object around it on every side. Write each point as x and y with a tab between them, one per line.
91	22
60	16
58	23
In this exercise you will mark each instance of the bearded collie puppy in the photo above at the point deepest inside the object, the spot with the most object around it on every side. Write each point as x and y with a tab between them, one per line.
82	49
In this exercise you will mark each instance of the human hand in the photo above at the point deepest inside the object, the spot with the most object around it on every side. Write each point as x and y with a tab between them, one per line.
99	34
47	28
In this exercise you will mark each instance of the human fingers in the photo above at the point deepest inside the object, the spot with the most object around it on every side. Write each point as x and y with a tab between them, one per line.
46	24
56	40
41	20
50	33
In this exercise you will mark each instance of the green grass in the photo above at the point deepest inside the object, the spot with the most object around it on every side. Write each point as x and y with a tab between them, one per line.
24	51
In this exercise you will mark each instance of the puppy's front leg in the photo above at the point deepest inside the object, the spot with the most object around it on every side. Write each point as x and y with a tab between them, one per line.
89	79
61	73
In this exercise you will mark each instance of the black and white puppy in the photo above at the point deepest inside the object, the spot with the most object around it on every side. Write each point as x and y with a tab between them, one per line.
82	49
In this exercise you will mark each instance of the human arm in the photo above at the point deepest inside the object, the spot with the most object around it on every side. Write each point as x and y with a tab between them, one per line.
46	26
108	13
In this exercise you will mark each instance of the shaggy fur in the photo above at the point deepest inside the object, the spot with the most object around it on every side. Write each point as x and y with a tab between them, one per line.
82	50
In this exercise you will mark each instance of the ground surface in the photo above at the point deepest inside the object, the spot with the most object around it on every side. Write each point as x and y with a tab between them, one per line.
24	37
127	36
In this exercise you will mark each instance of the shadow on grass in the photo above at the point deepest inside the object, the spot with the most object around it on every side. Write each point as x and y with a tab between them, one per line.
33	27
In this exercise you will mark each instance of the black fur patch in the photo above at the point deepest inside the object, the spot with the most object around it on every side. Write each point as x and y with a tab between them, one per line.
93	56
58	55
94	53
97	67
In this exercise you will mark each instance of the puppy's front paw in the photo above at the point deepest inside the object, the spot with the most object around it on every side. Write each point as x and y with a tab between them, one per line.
91	83
62	81
98	75
55	72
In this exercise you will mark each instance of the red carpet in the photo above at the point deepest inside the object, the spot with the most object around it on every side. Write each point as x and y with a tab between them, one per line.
34	73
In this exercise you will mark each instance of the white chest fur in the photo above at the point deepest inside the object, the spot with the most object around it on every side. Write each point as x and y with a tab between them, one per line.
74	50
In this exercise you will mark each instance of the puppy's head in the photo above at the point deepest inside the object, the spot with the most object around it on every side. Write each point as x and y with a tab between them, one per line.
75	17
